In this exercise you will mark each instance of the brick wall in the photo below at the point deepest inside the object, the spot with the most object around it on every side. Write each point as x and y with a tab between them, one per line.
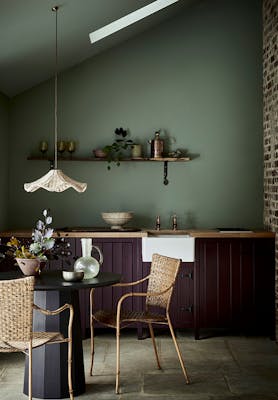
270	93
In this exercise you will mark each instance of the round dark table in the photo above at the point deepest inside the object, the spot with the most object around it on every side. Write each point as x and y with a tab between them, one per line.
50	361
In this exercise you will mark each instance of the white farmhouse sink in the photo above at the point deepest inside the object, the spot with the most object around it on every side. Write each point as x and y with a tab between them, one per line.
176	246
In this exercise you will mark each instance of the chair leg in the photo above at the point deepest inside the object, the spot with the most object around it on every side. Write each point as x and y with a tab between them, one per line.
178	350
154	345
118	359
70	369
92	345
30	372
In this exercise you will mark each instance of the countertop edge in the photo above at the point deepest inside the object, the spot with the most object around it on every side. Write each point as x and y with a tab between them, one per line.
196	233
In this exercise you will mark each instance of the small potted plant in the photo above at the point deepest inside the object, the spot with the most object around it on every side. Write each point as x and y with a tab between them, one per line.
117	150
31	256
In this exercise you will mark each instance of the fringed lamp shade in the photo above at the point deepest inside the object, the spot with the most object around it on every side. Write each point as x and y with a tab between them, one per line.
55	181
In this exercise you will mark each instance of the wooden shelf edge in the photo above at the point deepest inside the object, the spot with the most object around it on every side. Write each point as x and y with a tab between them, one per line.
181	159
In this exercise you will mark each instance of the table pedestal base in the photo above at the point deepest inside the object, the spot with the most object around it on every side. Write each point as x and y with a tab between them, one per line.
49	377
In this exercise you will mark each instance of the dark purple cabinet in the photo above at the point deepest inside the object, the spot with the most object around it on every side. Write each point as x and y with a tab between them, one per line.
121	256
230	285
182	304
235	284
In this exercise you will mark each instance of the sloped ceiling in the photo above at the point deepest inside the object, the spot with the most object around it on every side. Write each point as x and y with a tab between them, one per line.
27	35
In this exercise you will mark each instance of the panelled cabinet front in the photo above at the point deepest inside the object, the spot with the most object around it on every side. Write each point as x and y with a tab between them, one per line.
182	304
120	256
235	284
230	285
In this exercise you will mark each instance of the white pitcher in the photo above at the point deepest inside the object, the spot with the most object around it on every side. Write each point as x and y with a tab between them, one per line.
88	264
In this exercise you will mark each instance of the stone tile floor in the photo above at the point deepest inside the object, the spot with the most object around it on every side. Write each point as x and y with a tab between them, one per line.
220	368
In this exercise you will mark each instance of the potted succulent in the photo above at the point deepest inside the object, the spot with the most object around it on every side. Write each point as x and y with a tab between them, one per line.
117	150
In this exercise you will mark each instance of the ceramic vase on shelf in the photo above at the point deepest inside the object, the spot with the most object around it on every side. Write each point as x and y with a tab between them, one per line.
88	264
29	266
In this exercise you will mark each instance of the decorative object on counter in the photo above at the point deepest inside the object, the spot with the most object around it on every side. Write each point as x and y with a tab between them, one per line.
175	154
157	223
136	151
32	257
99	153
55	180
117	219
88	264
174	222
117	150
157	145
43	147
73	276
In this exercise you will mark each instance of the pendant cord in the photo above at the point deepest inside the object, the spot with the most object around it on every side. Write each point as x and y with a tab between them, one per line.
56	91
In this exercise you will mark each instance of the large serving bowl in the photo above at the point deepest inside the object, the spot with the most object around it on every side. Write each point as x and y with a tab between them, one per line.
117	219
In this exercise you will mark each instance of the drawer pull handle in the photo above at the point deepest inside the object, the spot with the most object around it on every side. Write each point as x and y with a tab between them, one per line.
189	275
189	308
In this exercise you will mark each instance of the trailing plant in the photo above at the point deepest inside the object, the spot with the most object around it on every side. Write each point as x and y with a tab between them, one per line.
117	150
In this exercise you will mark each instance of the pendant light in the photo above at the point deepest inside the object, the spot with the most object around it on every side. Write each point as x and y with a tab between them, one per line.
55	180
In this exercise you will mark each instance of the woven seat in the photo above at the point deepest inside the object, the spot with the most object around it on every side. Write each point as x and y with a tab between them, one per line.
16	322
109	318
161	282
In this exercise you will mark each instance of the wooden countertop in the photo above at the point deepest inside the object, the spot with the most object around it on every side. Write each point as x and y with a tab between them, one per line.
197	233
213	233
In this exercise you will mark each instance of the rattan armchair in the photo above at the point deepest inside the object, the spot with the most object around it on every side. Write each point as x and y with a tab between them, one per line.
160	286
16	322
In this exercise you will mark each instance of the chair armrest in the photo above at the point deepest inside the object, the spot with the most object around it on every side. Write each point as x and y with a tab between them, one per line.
126	284
58	311
142	294
53	312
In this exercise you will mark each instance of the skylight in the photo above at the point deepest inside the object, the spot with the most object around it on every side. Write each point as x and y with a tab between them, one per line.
129	19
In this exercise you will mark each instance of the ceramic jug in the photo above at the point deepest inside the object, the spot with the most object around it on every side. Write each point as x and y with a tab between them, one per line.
88	264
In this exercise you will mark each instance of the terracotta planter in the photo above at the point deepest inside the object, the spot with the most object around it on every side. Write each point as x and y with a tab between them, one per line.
29	266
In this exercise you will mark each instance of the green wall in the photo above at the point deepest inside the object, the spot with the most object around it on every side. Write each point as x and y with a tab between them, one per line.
198	78
4	114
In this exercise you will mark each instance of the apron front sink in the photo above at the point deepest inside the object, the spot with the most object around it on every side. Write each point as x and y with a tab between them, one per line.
176	246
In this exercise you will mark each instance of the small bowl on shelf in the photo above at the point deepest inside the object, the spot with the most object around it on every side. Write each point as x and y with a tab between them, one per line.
73	276
99	153
117	219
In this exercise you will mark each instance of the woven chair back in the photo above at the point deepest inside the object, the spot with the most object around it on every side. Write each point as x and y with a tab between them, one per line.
163	274
16	309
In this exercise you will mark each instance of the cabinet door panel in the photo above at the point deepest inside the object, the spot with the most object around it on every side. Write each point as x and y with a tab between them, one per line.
208	272
120	256
235	284
223	282
246	284
265	286
182	305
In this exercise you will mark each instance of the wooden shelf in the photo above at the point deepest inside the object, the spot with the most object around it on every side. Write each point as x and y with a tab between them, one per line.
68	158
165	160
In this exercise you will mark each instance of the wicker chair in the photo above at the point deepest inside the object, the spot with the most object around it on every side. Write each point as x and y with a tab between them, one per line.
16	321
161	281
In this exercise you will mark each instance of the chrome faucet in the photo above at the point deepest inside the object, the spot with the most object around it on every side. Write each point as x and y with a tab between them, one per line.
157	225
174	222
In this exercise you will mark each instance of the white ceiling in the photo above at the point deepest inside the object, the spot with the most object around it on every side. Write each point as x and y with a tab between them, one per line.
27	35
